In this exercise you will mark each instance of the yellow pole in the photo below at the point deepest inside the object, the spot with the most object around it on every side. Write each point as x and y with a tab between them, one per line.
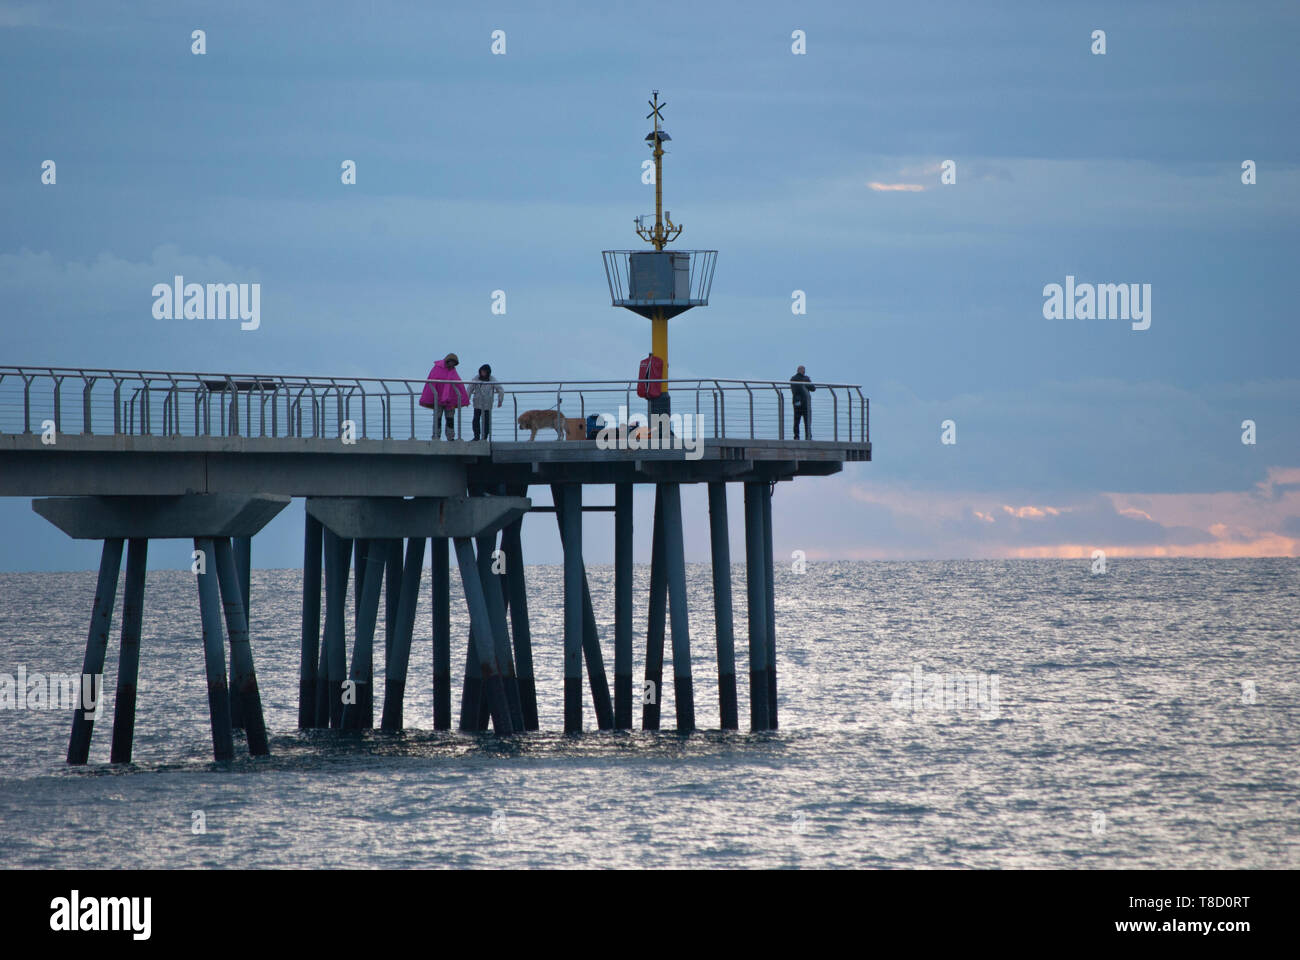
659	339
659	197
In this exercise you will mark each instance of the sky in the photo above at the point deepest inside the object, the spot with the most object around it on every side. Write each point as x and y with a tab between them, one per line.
818	171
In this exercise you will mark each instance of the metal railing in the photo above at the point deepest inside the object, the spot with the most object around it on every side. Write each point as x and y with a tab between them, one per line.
81	400
695	284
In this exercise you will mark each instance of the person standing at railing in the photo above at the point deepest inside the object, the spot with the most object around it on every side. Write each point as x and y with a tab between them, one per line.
482	389
650	385
801	399
444	393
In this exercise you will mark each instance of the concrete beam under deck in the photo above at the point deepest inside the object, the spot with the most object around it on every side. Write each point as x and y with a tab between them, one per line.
392	517
581	461
80	465
161	518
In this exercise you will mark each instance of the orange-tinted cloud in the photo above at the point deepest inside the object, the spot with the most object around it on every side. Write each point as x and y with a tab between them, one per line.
899	523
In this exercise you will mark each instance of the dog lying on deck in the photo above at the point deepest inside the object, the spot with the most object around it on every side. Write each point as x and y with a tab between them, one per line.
535	420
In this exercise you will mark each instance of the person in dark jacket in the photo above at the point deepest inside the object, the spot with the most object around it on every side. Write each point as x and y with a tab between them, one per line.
800	388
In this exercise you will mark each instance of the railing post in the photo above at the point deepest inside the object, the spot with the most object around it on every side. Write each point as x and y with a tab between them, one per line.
58	403
85	403
232	428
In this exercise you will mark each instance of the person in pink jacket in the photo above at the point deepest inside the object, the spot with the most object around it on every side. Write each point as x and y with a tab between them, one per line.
444	393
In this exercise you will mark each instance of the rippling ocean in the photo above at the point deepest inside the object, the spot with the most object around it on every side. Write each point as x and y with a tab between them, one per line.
1147	717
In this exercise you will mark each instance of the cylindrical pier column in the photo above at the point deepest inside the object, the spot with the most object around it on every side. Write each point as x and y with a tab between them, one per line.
395	666
720	541
359	713
441	596
512	544
591	651
494	594
311	589
569	501
770	592
652	693
241	650
622	606
243	550
360	570
755	581
392	593
683	688
128	662
481	628
338	552
223	742
473	708
92	666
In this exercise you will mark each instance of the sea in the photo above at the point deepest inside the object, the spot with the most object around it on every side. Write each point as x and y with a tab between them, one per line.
964	714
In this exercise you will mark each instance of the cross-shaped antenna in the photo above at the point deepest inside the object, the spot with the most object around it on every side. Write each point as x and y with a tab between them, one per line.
655	107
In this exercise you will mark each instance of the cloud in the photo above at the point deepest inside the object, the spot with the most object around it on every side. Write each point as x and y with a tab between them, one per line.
895	187
863	520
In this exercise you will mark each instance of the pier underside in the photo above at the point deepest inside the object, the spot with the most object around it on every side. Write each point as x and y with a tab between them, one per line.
375	506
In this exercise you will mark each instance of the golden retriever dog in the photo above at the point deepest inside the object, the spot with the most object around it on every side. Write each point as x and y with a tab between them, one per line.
535	420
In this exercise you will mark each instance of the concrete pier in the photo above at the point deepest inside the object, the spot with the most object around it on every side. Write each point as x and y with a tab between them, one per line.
365	498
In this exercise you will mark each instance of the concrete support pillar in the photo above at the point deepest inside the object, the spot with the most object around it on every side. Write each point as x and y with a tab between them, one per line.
358	579
338	551
241	650
399	655
770	593
480	625
311	590
92	666
654	644
360	569
591	651
441	596
128	664
472	705
570	502
392	592
243	550
675	555
720	540
494	594
359	714
756	582
223	744
623	606
520	630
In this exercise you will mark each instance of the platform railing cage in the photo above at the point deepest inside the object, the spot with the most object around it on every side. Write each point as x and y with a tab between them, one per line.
666	278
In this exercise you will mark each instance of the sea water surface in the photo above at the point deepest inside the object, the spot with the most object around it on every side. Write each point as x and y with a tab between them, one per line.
1147	717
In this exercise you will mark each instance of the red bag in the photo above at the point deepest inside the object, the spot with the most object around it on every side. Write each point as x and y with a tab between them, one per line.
652	368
